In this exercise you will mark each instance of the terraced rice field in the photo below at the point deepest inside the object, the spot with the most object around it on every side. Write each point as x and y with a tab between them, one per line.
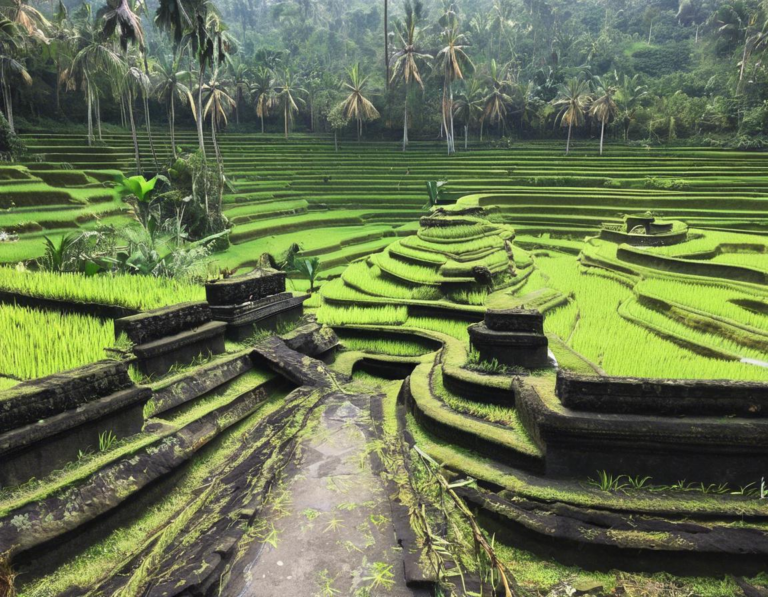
348	204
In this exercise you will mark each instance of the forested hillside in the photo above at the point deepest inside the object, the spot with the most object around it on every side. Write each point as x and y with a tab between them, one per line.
646	71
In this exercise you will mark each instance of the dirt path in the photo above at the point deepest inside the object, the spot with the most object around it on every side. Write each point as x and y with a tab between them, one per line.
329	531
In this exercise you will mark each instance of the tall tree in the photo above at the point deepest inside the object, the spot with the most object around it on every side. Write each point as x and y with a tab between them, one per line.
356	106
263	93
453	60
629	97
239	76
469	106
406	60
10	41
498	99
218	104
172	84
288	93
572	101
604	108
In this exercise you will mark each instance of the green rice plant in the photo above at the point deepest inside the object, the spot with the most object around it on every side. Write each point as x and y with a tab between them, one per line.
333	315
38	343
362	280
617	345
677	329
485	243
401	348
719	299
452	327
134	292
468	297
607	482
441	233
107	439
414	274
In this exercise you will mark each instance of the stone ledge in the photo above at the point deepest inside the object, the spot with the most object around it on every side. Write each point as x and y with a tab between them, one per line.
256	285
34	432
162	346
662	397
697	449
158	323
47	396
515	320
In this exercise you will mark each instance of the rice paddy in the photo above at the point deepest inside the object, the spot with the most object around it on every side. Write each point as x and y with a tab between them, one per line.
35	343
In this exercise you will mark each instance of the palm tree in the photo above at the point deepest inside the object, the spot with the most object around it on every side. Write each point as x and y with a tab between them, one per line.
27	19
629	97
453	60
573	99
288	94
357	106
263	93
94	56
240	74
218	103
10	42
172	16
496	102
134	83
604	108
406	60
118	16
172	84
469	106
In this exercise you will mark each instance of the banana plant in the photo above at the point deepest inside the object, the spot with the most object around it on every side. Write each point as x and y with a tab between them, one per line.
141	192
309	268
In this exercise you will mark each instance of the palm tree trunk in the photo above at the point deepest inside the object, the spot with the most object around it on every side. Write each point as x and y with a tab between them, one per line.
405	122
98	114
450	116
602	135
568	143
7	101
149	128
262	123
466	135
89	101
285	118
219	163
58	84
200	137
133	132
172	123
386	44
445	117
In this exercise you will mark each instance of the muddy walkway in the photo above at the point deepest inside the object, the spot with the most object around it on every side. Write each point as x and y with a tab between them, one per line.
330	530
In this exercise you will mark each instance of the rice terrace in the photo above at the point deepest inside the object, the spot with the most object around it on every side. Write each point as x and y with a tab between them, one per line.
397	298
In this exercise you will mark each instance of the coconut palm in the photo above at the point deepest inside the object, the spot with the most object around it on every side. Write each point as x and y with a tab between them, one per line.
134	84
118	17
288	93
10	68
263	93
175	18
629	97
26	18
604	108
572	101
406	60
172	84
469	106
453	61
239	76
357	107
496	102
218	104
95	56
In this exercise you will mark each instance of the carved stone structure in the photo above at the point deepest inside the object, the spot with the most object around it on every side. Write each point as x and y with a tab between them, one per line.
256	299
513	337
46	422
701	431
172	335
